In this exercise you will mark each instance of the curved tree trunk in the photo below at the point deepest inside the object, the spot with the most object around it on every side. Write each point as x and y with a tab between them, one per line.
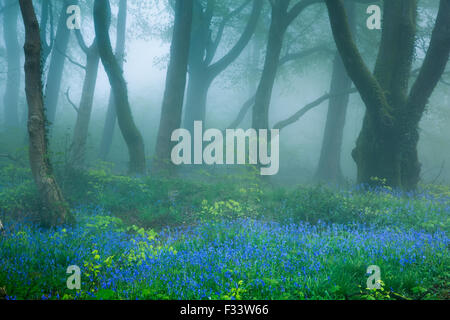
111	115
131	134
260	118
54	208
172	106
11	98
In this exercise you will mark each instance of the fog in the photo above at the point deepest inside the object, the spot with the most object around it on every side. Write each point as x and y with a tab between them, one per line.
148	37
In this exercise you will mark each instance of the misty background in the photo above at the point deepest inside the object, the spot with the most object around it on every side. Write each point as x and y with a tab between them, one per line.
299	82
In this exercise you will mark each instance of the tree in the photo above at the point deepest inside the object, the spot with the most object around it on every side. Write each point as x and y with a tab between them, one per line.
329	168
282	17
172	106
78	148
57	61
54	208
131	134
46	15
12	91
387	145
202	70
111	116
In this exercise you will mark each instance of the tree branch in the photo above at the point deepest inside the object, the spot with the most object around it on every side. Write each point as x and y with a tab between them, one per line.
70	59
234	53
242	112
302	54
67	94
215	44
289	57
296	116
434	64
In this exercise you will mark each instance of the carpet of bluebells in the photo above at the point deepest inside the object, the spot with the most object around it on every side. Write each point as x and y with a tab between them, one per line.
240	259
140	239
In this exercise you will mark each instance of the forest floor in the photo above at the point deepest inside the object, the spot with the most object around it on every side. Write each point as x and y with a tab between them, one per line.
179	239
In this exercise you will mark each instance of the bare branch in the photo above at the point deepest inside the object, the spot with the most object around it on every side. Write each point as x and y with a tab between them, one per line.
67	94
70	59
296	116
215	43
240	45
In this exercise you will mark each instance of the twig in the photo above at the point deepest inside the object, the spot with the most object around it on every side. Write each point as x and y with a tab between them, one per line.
67	94
70	59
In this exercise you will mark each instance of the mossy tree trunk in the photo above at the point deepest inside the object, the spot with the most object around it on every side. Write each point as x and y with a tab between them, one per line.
387	145
54	208
131	134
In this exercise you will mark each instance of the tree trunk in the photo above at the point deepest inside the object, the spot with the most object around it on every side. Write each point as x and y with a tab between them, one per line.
11	98
329	169
433	67
201	71
54	208
131	134
111	115
196	98
78	149
57	61
263	96
172	106
387	146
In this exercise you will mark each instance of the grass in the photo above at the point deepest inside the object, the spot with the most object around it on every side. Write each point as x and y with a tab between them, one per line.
181	239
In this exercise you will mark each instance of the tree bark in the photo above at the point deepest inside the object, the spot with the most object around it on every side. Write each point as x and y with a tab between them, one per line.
111	115
131	134
57	61
54	208
172	106
11	98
